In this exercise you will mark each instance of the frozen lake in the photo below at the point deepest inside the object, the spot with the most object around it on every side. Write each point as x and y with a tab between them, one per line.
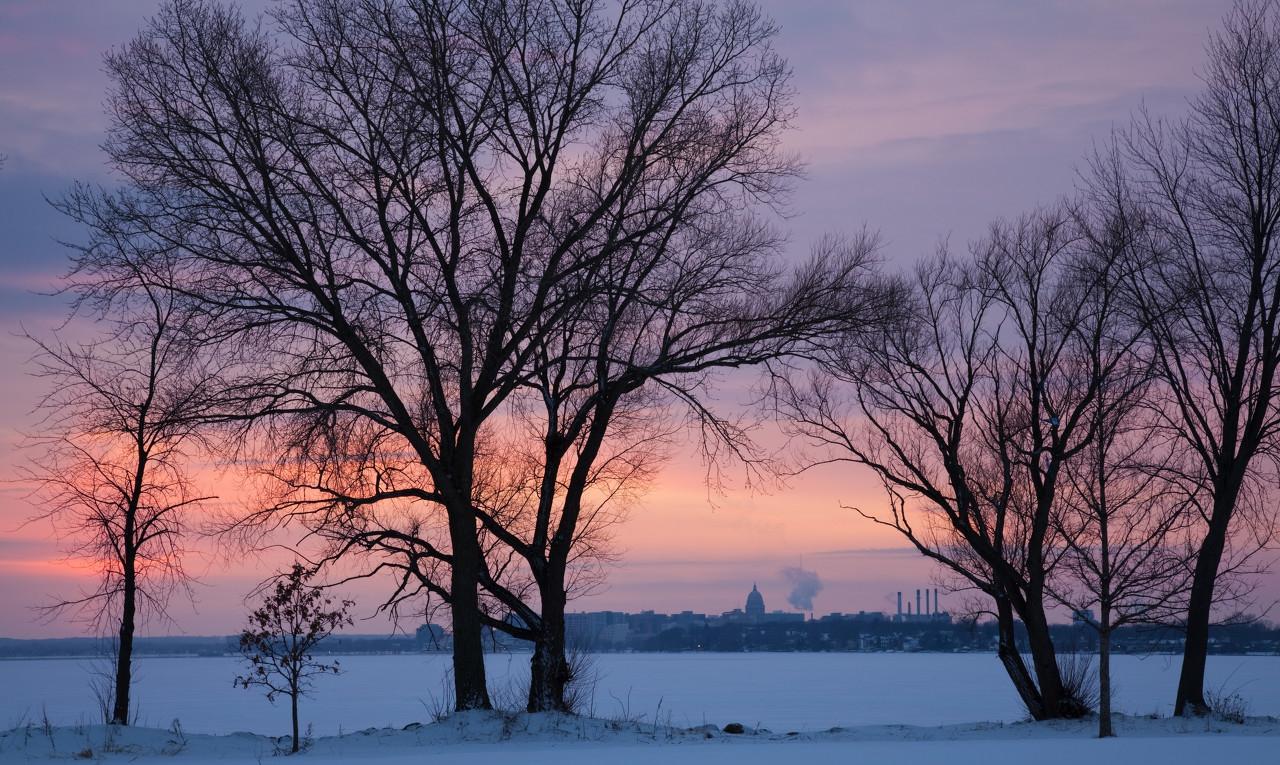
780	691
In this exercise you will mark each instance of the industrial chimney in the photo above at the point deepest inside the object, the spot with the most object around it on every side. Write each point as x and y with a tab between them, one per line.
918	611
899	605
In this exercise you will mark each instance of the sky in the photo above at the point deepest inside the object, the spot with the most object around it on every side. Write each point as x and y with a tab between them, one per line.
922	119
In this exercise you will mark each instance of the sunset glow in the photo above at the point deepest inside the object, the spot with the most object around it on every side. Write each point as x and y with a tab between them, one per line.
924	121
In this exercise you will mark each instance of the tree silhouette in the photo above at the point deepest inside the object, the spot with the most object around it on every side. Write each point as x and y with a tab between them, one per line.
121	423
386	206
1211	295
282	635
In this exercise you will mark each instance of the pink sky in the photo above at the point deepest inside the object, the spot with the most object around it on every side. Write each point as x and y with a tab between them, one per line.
924	120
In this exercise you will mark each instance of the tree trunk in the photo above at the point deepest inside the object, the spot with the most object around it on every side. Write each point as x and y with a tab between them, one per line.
469	686
549	666
1104	677
1011	658
1045	660
1190	699
124	651
293	702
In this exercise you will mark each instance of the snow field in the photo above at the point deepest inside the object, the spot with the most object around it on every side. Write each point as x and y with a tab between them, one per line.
490	737
780	691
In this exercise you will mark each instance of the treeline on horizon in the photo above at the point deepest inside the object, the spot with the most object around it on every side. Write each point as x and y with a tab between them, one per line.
444	283
834	636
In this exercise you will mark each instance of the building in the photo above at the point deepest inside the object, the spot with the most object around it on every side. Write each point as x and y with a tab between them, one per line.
754	612
924	612
755	605
1083	617
596	629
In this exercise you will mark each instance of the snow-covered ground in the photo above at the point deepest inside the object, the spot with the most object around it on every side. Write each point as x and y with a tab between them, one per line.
779	691
484	738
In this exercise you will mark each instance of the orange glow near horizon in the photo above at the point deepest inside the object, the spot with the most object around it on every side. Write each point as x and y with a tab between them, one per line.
677	519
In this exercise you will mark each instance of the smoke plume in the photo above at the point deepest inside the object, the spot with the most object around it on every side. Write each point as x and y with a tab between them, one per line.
804	586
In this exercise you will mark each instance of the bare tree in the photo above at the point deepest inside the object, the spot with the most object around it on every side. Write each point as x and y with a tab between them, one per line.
282	635
1212	298
382	204
969	410
587	429
664	318
121	425
1125	529
1122	516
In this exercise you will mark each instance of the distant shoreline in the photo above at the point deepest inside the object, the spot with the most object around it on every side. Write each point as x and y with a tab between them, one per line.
389	654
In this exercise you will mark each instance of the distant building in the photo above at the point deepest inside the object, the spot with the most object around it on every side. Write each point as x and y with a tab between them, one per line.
732	617
754	613
863	617
597	629
1083	617
782	616
924	612
755	605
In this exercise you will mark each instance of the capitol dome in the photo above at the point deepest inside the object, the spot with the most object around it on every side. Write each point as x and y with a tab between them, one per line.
755	603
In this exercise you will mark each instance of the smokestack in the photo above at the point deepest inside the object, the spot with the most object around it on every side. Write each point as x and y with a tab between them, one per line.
908	608
936	610
899	602
918	611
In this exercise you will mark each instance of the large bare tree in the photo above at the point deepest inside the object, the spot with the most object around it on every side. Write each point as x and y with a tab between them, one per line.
969	409
121	424
1211	296
588	426
382	203
664	319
